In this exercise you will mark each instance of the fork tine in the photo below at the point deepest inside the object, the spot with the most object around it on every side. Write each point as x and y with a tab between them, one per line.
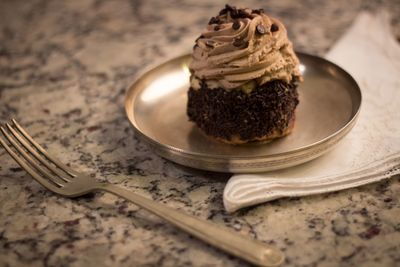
34	153
28	169
43	151
29	159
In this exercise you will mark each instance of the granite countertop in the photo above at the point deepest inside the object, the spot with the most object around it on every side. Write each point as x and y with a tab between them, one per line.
64	69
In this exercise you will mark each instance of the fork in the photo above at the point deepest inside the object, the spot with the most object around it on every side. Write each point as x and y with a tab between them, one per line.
63	180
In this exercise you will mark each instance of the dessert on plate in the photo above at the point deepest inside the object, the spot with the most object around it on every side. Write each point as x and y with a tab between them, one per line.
244	78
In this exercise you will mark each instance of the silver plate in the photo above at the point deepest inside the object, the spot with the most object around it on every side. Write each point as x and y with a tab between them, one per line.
330	101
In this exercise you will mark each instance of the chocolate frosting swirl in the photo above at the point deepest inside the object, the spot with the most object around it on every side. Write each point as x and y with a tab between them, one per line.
241	45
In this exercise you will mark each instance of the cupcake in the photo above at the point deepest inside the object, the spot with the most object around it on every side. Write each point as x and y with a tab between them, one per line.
244	78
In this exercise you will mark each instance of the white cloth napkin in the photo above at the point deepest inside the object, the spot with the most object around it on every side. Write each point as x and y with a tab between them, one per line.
371	151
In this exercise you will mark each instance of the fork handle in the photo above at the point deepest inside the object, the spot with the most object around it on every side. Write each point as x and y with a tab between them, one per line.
223	238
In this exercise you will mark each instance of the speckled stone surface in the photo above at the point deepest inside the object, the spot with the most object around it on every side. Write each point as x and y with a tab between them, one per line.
64	69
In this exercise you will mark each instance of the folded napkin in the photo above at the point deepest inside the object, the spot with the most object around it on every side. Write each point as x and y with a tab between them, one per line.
371	151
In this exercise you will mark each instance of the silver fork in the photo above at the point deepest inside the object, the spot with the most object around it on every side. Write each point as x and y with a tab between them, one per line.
61	179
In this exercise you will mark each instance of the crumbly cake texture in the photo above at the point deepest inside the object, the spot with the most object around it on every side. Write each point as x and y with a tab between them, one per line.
237	117
244	77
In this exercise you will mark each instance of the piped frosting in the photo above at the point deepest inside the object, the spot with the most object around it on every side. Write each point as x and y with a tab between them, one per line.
241	46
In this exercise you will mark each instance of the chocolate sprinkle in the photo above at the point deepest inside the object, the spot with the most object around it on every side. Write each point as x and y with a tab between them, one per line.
258	11
229	7
236	25
260	29
213	20
243	14
222	113
234	13
223	11
216	28
274	27
238	42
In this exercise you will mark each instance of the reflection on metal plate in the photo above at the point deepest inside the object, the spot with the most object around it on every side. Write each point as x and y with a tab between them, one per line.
330	100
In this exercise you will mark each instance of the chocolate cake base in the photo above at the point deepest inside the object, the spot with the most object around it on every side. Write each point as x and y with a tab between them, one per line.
237	117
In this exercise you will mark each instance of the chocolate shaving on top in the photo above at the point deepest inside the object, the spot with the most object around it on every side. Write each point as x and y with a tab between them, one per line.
248	45
238	42
260	29
274	27
236	25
